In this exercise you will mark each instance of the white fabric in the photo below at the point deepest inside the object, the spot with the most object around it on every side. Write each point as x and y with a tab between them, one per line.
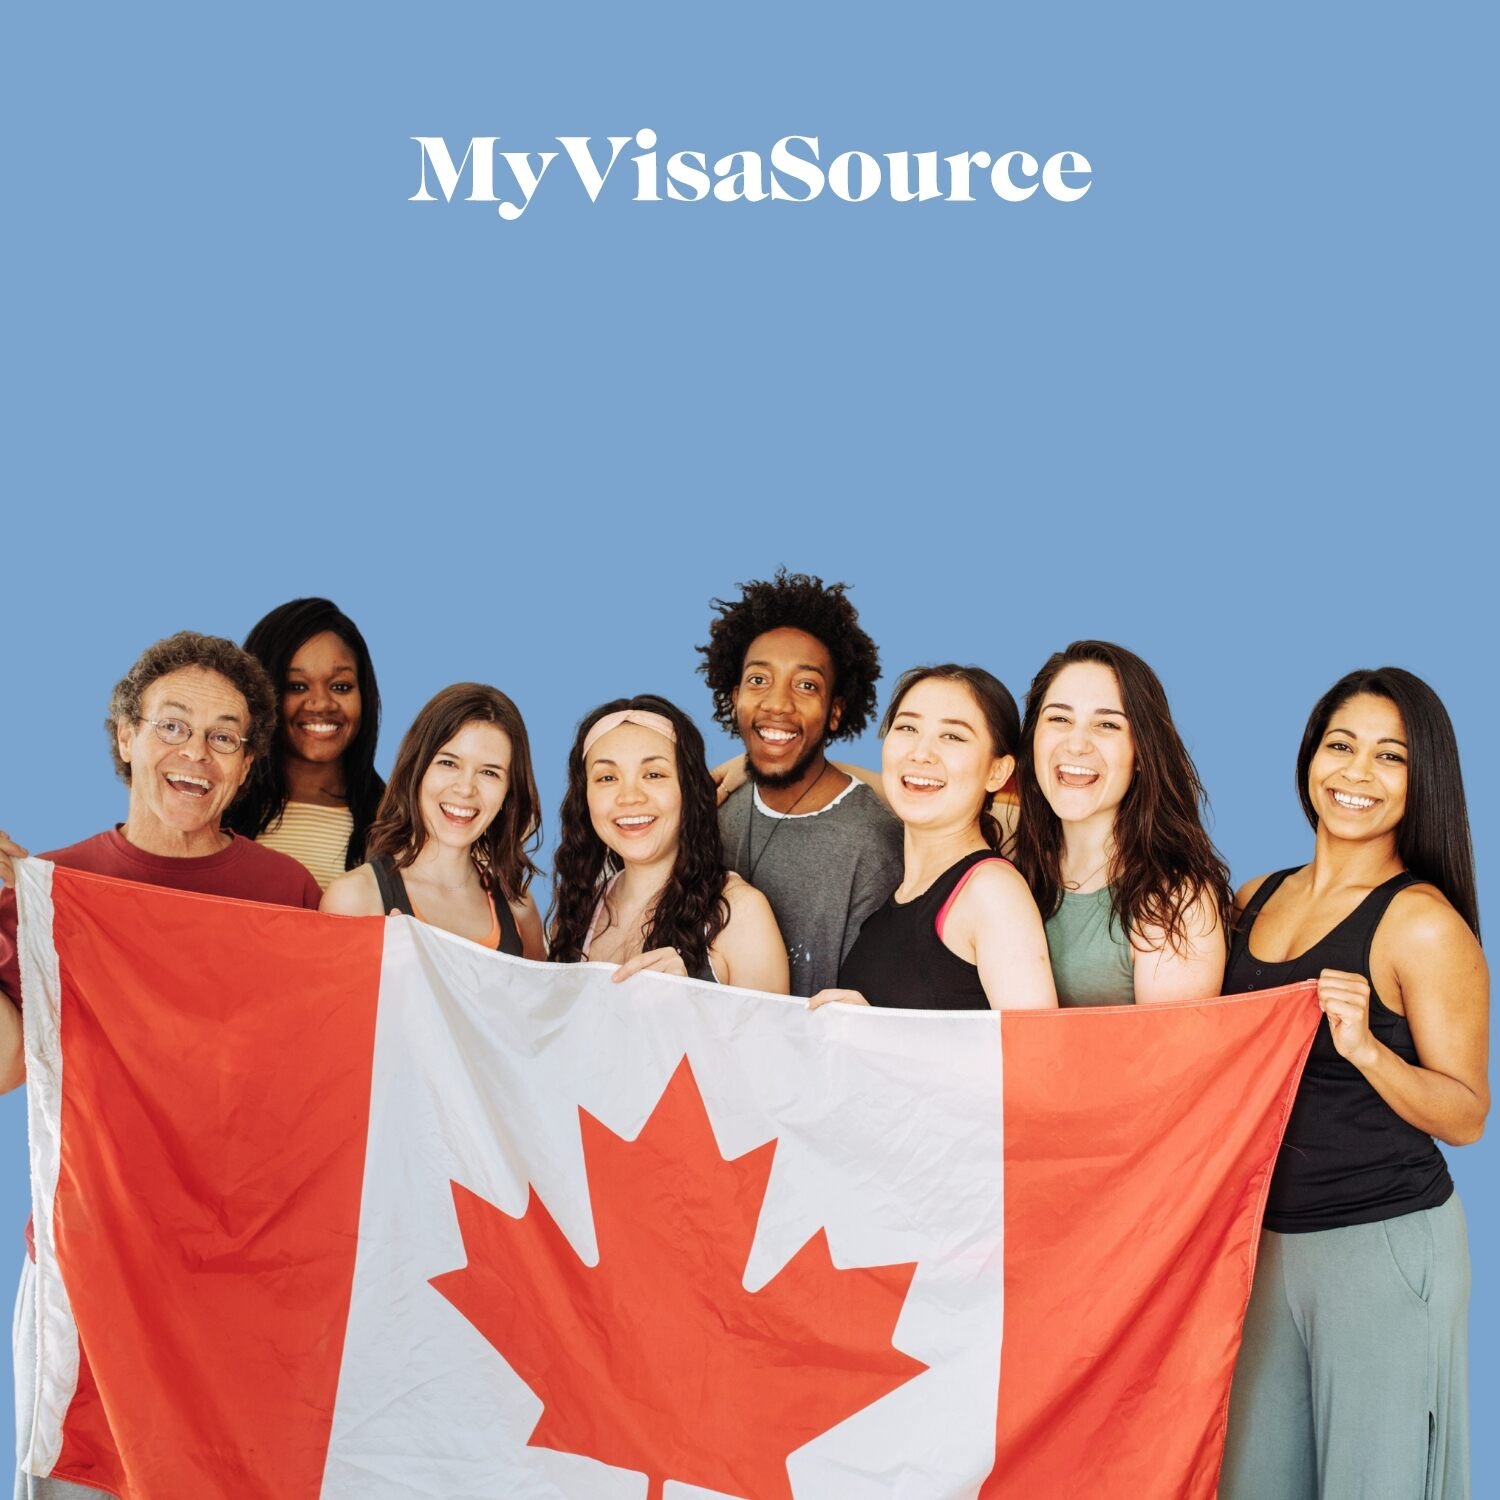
46	1382
872	1124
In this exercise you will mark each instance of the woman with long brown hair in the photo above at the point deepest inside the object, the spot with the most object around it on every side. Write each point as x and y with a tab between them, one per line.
1110	835
450	843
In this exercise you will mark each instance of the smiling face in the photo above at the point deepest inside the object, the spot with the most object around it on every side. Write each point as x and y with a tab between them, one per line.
635	797
464	787
320	707
1083	750
1357	779
937	763
180	792
784	708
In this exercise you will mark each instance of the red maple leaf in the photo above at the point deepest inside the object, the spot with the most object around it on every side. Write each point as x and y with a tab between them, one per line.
658	1359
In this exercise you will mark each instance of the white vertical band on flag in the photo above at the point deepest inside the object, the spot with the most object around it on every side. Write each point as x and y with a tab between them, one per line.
48	1320
889	1138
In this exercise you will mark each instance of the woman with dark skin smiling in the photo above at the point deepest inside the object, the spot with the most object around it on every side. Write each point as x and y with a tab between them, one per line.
1352	1377
315	794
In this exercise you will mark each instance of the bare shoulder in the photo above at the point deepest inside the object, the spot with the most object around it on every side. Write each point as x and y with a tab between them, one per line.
742	896
529	926
353	894
996	884
1423	925
1246	893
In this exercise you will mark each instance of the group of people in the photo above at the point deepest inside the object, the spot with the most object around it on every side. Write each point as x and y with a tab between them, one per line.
996	859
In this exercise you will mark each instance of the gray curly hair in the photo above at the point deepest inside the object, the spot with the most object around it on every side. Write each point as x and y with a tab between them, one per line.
190	649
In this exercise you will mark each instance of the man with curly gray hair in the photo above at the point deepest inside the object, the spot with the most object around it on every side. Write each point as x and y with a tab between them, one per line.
184	724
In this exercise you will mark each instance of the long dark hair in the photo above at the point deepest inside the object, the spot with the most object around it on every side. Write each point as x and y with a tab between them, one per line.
691	910
996	704
501	852
1433	838
1164	862
274	641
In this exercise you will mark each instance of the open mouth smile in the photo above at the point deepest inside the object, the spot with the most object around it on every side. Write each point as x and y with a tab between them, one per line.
775	737
1352	801
188	786
1070	775
922	783
454	813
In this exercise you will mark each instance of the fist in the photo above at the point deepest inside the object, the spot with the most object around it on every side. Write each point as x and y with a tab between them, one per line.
1345	999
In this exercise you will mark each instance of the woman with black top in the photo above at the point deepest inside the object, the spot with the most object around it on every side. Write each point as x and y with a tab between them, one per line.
961	931
450	842
1352	1378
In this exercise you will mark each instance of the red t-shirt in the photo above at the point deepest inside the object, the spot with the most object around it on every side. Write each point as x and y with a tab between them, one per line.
245	870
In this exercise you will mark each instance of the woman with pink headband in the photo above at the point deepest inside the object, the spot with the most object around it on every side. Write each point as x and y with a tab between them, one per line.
639	877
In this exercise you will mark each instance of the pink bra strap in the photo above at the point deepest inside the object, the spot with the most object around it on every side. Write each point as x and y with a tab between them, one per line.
963	880
588	940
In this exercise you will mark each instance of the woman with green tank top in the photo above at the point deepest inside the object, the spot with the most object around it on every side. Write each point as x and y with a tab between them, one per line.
1110	836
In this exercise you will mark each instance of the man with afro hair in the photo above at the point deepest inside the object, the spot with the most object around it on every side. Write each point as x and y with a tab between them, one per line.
790	670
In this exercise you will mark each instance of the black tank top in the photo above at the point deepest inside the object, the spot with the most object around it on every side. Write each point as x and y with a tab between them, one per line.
899	960
1347	1157
393	897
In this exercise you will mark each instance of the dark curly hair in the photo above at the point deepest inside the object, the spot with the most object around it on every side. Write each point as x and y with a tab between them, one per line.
1164	861
501	853
190	649
274	641
691	910
795	601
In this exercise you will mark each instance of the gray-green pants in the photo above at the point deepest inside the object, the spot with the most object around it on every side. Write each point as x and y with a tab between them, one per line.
1353	1378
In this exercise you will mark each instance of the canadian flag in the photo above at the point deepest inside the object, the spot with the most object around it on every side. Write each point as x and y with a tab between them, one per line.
355	1209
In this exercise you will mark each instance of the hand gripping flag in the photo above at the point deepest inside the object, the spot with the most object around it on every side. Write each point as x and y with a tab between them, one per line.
355	1209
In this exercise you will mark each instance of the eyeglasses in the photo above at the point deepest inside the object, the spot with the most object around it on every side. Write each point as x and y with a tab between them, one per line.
176	732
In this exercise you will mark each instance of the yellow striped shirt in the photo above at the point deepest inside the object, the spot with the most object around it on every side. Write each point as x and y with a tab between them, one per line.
316	837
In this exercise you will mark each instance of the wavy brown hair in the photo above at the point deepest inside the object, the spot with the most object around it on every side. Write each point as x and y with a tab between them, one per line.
1164	861
501	852
691	910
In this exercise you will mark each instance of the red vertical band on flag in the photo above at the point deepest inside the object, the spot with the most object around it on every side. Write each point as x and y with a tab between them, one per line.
1138	1149
207	1208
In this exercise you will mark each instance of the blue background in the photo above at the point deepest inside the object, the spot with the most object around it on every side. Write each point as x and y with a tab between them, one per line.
1230	409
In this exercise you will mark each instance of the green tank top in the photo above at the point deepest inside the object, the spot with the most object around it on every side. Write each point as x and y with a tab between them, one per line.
1091	958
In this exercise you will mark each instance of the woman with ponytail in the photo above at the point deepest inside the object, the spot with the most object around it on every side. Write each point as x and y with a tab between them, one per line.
961	931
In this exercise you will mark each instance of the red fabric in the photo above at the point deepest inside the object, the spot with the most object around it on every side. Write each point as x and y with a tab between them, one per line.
1127	1260
244	870
236	1285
